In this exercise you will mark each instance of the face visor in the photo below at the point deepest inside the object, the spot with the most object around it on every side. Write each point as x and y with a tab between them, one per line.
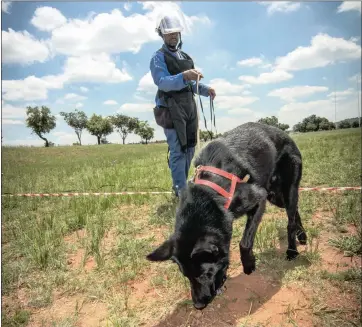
169	24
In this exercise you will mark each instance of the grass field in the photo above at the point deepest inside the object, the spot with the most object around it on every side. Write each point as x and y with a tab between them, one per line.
80	261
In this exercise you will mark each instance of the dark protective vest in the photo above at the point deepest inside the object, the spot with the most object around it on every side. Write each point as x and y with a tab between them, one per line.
181	111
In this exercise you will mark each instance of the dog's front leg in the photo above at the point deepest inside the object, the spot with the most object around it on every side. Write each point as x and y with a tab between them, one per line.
247	242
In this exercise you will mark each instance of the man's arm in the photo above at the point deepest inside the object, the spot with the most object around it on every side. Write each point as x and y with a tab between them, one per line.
162	77
203	89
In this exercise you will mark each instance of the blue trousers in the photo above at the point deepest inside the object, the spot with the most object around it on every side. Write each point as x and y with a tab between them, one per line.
179	161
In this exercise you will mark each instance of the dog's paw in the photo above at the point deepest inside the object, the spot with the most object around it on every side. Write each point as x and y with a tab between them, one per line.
249	268
292	254
247	260
248	264
302	238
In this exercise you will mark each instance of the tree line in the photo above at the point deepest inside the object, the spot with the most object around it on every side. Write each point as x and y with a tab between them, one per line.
312	123
41	121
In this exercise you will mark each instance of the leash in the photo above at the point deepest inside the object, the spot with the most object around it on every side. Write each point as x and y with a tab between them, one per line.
198	113
212	114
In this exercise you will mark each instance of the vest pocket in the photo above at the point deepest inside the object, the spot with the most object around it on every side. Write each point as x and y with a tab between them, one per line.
163	117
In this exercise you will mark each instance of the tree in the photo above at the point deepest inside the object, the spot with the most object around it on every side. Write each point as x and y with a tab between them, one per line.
283	127
273	121
77	120
355	124
310	127
145	131
124	125
205	135
313	123
344	124
40	121
99	126
324	126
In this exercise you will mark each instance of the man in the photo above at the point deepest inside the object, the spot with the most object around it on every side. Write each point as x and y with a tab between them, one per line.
174	74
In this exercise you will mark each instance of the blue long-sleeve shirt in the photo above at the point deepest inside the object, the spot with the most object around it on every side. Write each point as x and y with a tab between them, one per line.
167	82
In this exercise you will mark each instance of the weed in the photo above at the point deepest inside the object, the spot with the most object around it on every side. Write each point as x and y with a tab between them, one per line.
312	253
350	275
19	319
267	235
351	245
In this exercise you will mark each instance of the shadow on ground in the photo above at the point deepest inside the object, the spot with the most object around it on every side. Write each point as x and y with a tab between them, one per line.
243	296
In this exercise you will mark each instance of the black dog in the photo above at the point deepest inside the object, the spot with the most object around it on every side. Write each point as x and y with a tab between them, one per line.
267	165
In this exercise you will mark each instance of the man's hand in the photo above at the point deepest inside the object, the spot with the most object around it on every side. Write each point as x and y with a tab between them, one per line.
191	75
212	93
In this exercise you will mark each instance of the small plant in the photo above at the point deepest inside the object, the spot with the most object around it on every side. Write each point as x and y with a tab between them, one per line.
19	319
351	245
350	275
267	235
312	252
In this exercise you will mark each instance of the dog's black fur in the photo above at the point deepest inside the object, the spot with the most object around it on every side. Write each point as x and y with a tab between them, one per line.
203	229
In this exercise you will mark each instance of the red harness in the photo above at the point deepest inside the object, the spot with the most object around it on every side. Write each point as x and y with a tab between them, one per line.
234	179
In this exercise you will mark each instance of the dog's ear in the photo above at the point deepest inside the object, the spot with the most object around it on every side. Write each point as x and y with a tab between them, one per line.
163	252
204	248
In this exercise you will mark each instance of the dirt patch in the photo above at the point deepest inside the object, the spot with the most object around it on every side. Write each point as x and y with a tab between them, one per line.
247	298
75	309
333	260
75	236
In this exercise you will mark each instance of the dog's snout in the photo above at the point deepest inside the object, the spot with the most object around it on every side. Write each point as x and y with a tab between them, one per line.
199	305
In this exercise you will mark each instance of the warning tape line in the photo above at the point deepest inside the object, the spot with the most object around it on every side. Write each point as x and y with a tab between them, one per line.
302	189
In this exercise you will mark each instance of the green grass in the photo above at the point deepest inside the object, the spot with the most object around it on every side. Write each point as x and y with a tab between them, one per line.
118	231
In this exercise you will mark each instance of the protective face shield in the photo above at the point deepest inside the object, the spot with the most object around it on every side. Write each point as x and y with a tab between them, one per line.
169	24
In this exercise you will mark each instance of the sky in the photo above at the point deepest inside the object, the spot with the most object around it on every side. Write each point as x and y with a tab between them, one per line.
288	59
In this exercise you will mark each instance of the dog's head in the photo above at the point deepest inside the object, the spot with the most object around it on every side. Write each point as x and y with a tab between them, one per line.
205	265
200	247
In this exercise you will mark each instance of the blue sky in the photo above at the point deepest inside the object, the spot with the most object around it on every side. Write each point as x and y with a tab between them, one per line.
263	58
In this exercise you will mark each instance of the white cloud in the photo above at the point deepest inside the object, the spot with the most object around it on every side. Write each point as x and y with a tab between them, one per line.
5	6
250	62
136	107
78	105
349	6
223	87
94	68
11	122
240	111
83	89
226	123
295	112
355	78
233	101
294	92
114	33
127	6
48	18
22	48
324	50
30	88
280	6
110	102
341	95
274	76
10	111
146	84
74	97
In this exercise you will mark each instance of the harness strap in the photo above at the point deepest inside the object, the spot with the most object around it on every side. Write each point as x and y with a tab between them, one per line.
234	179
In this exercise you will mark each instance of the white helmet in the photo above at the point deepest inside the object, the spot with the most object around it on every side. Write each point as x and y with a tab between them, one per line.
169	24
